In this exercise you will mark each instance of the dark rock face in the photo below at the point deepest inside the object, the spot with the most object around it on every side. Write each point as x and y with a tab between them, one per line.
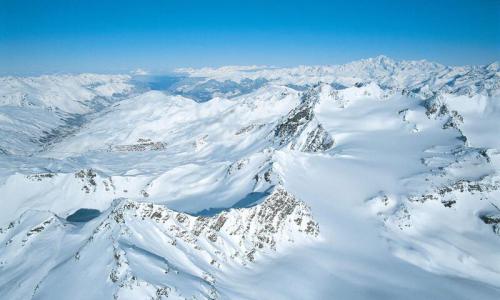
300	129
436	108
293	124
492	219
317	140
454	120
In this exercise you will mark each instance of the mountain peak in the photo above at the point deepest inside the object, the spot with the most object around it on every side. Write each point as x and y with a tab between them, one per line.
383	59
155	193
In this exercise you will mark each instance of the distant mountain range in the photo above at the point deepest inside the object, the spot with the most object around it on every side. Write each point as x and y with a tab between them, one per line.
377	179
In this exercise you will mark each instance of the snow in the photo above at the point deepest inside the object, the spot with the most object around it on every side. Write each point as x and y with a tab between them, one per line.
53	104
368	180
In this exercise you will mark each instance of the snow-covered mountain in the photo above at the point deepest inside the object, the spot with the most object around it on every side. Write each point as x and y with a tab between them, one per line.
37	110
412	76
378	179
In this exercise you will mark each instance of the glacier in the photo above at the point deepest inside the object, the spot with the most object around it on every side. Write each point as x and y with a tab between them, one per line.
377	179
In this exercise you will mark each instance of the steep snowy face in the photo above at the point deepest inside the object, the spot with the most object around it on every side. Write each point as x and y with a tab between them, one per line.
378	177
141	249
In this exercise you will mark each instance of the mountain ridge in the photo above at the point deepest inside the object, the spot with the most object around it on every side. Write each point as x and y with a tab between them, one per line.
394	165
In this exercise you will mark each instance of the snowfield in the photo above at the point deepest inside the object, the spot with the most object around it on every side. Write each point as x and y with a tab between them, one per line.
378	179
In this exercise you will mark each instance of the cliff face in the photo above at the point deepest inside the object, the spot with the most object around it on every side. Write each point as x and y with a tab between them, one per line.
300	129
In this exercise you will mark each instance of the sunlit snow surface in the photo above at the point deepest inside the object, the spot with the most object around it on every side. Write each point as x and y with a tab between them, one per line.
372	180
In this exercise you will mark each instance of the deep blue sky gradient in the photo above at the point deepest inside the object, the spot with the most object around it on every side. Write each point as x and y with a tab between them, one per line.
45	36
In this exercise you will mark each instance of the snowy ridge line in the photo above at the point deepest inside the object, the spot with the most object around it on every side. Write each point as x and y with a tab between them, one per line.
238	235
225	181
420	77
300	129
470	204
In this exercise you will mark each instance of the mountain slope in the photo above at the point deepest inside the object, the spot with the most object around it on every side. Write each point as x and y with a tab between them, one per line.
377	179
54	106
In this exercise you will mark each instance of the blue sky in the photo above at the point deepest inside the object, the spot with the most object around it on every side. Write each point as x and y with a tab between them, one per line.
113	36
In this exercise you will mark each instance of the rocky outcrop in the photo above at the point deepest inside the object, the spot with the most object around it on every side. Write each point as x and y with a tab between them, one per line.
141	145
87	177
300	129
447	193
492	219
437	108
281	217
441	185
235	236
249	128
398	212
40	176
317	139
